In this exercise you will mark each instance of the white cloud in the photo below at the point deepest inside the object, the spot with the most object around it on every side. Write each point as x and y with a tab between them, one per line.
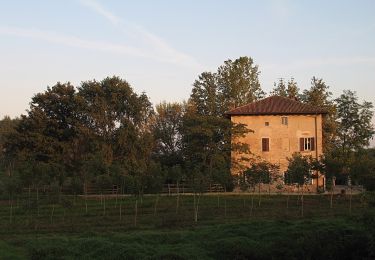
153	43
77	42
71	41
100	10
153	47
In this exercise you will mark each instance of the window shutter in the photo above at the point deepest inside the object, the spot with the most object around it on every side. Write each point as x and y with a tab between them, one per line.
265	144
312	144
301	144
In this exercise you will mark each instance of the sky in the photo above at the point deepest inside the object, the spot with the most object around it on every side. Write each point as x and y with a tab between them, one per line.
161	46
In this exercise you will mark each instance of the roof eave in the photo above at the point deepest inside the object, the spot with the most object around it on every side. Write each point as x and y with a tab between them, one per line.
273	113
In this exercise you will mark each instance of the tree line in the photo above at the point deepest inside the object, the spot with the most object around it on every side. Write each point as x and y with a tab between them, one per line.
104	133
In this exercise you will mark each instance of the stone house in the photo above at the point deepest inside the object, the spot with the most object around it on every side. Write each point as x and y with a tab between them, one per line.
281	127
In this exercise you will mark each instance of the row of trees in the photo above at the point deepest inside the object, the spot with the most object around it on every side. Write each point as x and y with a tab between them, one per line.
103	132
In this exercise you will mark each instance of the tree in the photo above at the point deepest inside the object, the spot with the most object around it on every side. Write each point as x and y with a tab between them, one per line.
262	172
207	143
319	96
235	83
279	89
363	168
286	89
354	122
112	112
104	123
205	94
238	83
332	169
293	90
299	172
204	140
7	128
167	135
45	135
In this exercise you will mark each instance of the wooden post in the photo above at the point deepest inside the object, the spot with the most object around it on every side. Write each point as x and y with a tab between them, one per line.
135	213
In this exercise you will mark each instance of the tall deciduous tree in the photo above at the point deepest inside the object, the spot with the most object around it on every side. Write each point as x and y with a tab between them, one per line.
319	95
7	128
279	89
167	135
286	89
293	89
354	122
205	94
238	83
207	146
104	122
235	83
46	134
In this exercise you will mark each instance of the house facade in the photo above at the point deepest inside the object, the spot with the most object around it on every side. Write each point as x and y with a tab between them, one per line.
279	128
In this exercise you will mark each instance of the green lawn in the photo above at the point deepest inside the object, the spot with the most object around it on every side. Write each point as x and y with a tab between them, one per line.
229	226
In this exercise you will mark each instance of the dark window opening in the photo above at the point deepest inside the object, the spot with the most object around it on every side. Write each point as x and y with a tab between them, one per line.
307	144
265	144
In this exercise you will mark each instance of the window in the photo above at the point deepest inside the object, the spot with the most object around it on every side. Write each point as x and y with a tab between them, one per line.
307	144
284	120
265	144
266	123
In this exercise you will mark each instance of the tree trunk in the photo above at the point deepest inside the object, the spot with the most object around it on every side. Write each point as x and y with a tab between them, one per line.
37	199
104	206
156	204
302	202
29	202
116	198
52	211
225	208
178	198
252	205
86	207
196	206
11	210
350	199
259	196
299	193
332	192
135	212
120	210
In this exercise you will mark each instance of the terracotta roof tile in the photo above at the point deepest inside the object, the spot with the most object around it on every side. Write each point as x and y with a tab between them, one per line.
276	105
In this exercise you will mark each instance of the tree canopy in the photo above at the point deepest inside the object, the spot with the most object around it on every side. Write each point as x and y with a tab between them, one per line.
104	132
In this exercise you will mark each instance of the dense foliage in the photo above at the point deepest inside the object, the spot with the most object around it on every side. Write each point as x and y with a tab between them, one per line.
104	134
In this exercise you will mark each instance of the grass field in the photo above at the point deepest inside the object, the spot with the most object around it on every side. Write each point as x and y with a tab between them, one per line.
228	226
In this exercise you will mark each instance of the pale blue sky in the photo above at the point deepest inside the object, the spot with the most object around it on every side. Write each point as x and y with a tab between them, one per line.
161	46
